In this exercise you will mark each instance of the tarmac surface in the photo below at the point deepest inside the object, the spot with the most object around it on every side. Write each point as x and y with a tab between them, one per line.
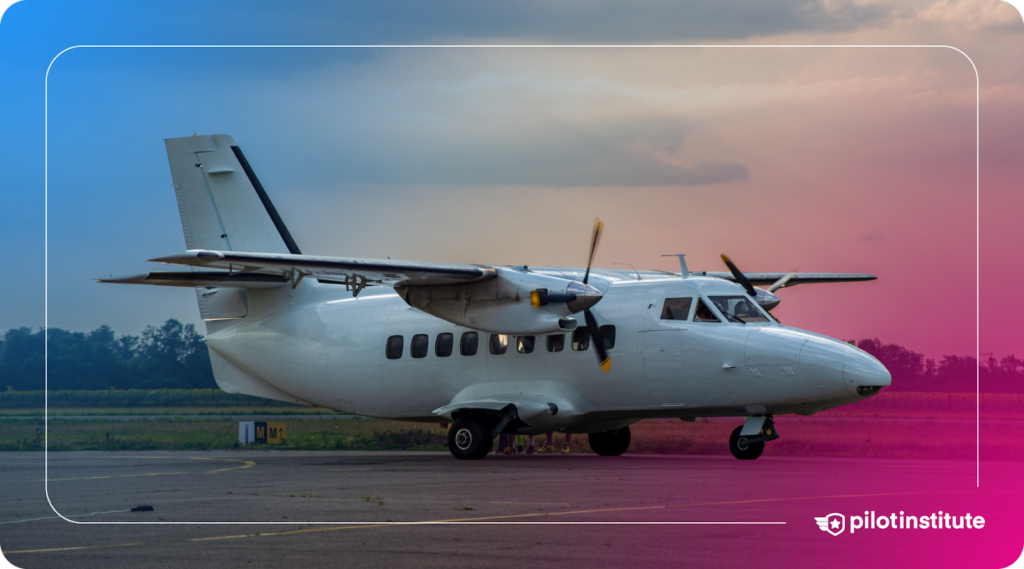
426	509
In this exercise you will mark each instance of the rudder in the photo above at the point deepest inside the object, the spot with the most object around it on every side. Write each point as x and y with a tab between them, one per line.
222	204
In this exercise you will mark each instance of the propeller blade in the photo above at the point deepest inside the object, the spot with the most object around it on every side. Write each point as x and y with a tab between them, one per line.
740	278
598	227
598	341
781	282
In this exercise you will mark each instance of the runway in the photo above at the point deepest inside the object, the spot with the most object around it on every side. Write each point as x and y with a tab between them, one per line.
358	509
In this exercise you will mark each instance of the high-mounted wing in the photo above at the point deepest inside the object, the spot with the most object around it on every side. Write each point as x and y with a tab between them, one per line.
202	279
356	272
762	279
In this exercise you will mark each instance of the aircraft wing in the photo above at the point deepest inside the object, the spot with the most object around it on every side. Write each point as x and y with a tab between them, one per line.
203	279
357	272
766	279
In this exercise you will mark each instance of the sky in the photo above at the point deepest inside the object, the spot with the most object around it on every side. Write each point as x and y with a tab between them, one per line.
822	159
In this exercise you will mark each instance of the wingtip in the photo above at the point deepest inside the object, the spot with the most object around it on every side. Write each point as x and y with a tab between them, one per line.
606	365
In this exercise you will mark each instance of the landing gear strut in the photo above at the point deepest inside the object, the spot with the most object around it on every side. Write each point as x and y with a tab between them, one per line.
750	446
610	443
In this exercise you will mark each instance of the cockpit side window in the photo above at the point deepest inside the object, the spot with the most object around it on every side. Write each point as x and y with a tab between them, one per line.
676	309
703	313
738	308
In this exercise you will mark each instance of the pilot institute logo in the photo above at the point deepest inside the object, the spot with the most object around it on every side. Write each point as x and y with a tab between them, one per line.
832	523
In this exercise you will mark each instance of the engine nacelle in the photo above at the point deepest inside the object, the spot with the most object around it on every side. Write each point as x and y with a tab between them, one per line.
502	305
766	299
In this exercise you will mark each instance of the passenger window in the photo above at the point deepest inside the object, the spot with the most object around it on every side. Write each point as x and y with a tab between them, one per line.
419	346
556	342
467	347
580	340
703	313
443	345
524	344
499	344
676	309
394	348
608	335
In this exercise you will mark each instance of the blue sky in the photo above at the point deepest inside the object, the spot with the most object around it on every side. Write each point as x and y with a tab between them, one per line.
823	160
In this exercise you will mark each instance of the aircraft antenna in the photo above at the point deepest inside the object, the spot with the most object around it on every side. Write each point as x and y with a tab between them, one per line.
682	265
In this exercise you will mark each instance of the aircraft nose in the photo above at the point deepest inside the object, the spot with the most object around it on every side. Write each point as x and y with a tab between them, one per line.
863	373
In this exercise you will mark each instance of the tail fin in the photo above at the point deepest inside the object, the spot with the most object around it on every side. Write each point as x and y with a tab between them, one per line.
223	207
222	204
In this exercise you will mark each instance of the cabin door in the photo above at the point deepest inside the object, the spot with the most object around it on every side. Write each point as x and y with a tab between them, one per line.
663	368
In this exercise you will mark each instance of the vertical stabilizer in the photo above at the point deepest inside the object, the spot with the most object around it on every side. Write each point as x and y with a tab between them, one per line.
223	207
222	204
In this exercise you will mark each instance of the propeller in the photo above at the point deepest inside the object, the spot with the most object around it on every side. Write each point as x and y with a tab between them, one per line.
581	297
741	279
604	360
766	299
781	282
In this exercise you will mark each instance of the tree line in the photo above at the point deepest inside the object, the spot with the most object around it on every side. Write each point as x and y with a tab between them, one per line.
171	356
174	356
911	371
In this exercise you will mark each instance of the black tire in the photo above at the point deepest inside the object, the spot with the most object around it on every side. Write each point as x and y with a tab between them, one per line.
743	450
610	443
469	438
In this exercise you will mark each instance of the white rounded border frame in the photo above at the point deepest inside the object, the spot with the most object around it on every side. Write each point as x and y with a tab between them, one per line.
499	46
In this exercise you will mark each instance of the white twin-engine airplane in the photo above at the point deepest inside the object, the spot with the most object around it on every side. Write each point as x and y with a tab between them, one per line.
489	348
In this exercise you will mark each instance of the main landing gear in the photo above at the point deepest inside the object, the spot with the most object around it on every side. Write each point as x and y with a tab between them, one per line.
610	443
469	438
747	441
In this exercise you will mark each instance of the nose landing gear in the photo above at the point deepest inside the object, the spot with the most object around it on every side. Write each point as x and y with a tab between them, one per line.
747	441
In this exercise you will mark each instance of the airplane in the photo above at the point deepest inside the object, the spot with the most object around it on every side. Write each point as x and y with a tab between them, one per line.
490	349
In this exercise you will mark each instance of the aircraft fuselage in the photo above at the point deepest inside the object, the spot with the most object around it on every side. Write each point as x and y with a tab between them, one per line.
322	346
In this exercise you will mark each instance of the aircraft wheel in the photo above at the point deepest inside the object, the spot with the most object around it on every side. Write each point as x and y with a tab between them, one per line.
743	450
469	438
610	443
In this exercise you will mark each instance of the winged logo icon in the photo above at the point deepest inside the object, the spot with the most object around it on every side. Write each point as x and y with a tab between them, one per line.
834	524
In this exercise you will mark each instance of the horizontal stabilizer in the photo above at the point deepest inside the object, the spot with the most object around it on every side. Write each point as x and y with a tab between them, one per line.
361	271
203	279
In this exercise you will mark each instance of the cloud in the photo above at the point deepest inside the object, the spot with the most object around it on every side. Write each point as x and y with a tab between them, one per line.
599	21
870	235
974	14
517	119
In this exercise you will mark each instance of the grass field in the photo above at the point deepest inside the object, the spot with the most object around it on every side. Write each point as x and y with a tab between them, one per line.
884	405
803	437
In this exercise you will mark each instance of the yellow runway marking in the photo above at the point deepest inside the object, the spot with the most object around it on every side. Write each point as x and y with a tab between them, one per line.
248	464
71	548
535	503
111	476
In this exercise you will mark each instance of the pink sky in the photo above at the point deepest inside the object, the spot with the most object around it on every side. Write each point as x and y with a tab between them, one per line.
831	159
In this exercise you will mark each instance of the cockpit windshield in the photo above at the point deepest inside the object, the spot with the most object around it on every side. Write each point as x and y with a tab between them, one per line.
738	309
